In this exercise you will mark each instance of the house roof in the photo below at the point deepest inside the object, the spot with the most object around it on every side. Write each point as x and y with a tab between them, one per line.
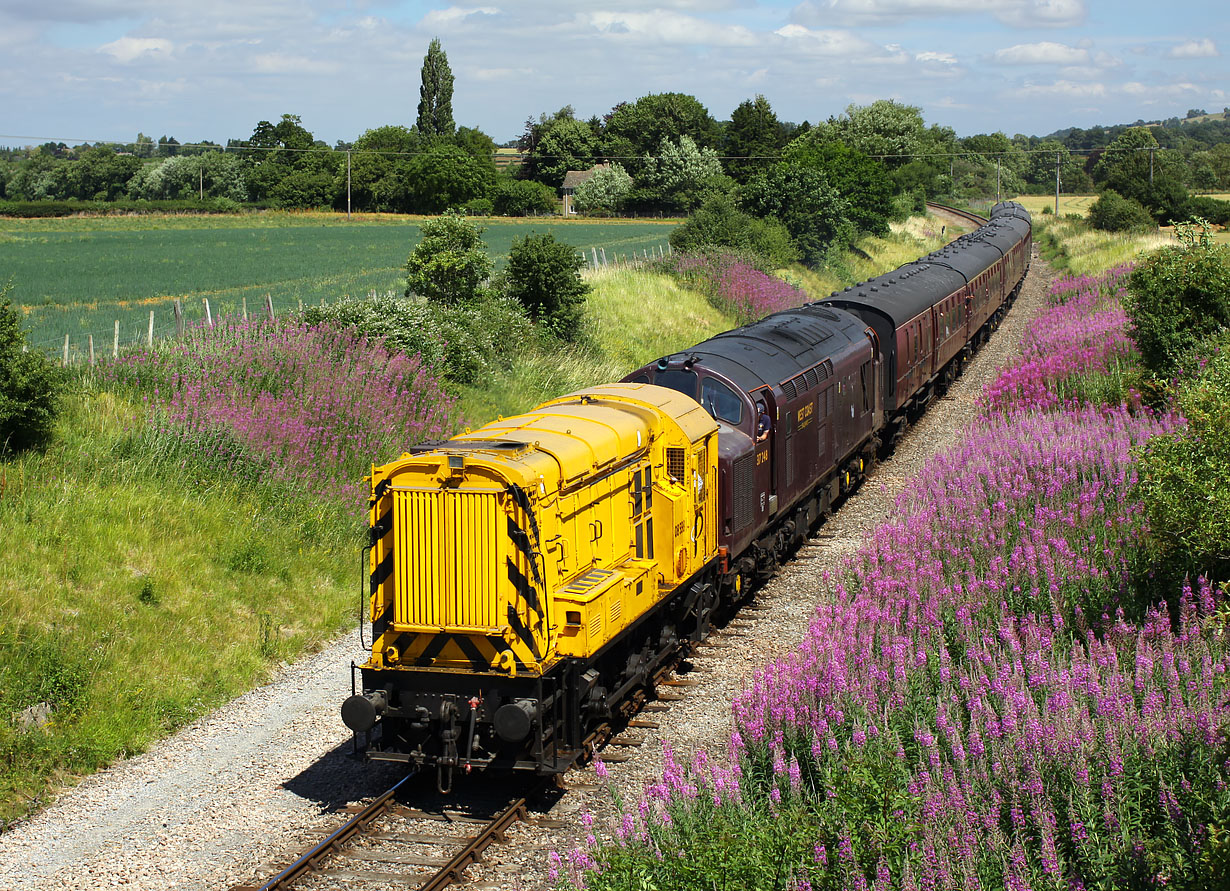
574	178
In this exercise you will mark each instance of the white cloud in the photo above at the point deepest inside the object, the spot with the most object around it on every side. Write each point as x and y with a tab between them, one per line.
667	27
1066	89
1019	13
444	19
830	42
1044	53
288	63
938	58
1194	49
129	49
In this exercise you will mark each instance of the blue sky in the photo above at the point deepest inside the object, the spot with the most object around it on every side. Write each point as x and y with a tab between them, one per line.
106	69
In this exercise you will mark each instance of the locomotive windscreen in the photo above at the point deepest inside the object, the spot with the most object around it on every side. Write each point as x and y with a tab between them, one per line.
680	381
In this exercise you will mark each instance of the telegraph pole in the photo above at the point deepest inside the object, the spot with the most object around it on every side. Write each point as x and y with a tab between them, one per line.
1058	160
997	198
348	184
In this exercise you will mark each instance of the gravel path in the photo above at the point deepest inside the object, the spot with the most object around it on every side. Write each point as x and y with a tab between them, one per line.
226	797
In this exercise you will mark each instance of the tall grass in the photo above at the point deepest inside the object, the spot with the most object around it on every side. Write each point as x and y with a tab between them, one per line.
1080	250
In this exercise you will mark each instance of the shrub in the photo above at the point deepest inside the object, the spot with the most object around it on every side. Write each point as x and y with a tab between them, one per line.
523	198
450	262
1211	209
734	283
30	386
1185	474
1114	213
544	276
1177	296
718	223
466	341
478	207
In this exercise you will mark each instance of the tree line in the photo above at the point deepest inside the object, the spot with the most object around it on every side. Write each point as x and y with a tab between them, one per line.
663	153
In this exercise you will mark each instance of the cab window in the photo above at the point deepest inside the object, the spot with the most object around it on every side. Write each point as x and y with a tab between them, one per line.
681	381
720	401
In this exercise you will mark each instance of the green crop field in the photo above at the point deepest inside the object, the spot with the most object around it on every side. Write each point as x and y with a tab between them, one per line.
79	276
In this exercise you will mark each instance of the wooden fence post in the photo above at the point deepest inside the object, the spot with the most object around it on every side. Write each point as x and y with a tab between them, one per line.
300	306
595	252
65	361
603	250
115	346
269	304
245	309
209	317
149	339
91	337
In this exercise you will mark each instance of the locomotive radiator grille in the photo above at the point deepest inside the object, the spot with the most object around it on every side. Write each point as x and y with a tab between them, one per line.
447	559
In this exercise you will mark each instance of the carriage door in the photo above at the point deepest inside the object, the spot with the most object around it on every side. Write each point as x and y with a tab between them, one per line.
875	398
766	457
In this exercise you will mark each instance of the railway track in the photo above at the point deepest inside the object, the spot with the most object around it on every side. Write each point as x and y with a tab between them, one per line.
963	216
391	843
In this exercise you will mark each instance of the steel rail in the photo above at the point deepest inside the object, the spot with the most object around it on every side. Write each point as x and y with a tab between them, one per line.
331	844
453	871
956	211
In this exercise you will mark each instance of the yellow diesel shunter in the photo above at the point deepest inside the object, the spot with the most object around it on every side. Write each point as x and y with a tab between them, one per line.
526	576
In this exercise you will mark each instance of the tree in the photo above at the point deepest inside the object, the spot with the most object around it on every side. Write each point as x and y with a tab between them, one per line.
446	176
816	217
544	276
719	223
522	197
884	129
1133	167
678	176
556	144
606	190
275	151
1177	296
864	183
754	134
436	94
638	129
1114	213
30	387
380	169
450	262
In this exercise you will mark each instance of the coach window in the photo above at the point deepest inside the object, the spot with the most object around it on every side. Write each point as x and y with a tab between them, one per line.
721	401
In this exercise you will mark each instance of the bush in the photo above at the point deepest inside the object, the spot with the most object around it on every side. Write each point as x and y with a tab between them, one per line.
523	198
1184	477
478	207
465	341
450	262
1216	212
718	223
544	276
30	386
1177	296
1114	213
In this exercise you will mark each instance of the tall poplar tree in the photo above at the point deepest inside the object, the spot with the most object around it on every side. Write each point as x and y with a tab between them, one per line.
436	94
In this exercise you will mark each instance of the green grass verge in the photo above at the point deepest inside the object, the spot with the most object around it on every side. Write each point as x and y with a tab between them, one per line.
136	595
